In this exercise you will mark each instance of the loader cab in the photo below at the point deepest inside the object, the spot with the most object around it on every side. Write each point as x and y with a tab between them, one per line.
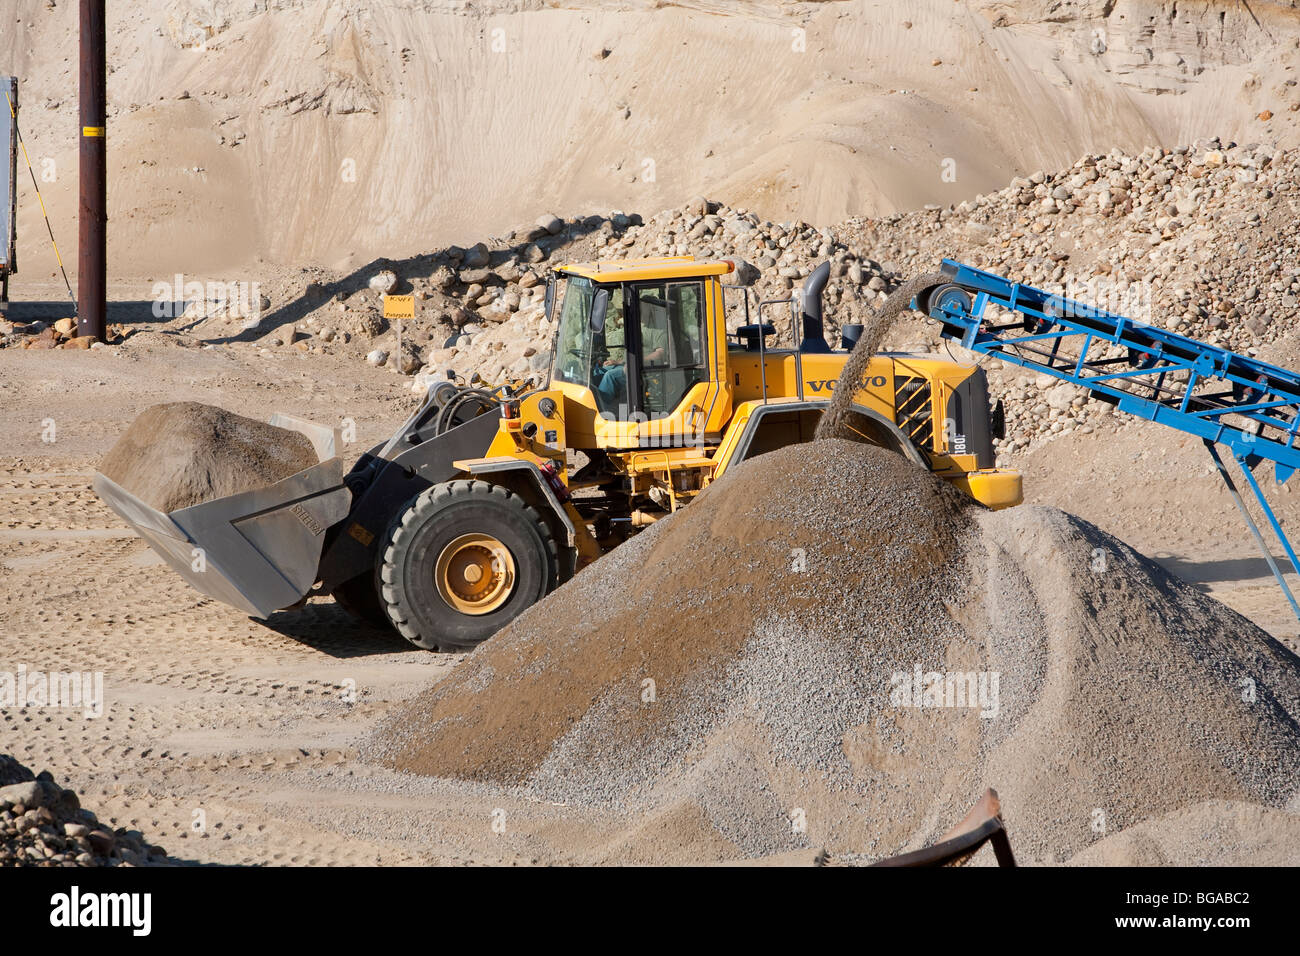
640	350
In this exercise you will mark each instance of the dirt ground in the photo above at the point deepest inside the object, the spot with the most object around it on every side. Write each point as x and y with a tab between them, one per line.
209	714
250	728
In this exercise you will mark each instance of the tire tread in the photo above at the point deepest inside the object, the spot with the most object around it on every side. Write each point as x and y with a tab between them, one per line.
412	517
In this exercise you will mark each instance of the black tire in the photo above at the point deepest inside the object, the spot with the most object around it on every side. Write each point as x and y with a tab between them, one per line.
430	527
360	598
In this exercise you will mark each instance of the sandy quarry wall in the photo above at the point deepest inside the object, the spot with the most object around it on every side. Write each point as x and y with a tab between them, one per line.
315	129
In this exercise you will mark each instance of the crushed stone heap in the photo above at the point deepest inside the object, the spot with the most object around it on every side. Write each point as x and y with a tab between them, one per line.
750	676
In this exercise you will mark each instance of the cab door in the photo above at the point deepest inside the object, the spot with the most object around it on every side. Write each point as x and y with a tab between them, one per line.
675	346
672	350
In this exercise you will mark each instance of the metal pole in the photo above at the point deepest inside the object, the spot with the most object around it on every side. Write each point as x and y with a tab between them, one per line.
1250	522
92	253
1276	525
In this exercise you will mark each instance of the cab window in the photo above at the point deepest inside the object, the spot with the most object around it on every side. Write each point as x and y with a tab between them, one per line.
673	344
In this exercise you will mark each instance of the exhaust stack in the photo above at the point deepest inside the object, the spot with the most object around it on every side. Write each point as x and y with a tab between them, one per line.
813	335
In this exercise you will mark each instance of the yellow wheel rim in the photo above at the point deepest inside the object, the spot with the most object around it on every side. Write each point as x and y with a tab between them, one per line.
475	574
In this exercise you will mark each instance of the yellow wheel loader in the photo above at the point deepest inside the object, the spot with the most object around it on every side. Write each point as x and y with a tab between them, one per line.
488	499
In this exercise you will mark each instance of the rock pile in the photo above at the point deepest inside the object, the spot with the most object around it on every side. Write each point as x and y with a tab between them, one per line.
42	824
1200	239
59	334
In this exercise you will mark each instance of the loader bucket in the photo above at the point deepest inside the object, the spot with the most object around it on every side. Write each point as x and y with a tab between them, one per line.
259	550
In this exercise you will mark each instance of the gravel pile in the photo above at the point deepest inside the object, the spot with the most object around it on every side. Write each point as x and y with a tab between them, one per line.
184	453
1127	693
42	824
745	669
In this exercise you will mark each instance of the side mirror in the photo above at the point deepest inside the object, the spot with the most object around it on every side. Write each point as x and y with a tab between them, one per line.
549	303
599	306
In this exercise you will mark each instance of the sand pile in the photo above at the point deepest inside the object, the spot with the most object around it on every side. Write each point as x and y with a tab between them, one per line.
740	678
185	453
1214	833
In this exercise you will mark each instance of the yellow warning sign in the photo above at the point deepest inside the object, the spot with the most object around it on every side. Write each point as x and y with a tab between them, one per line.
92	131
399	306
